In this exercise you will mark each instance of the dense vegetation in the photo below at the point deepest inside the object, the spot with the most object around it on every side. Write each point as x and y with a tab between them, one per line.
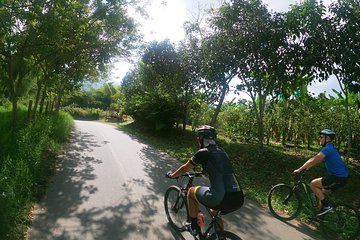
275	56
27	161
50	50
257	169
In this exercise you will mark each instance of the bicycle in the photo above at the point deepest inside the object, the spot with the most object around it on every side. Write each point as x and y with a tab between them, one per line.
176	209
286	202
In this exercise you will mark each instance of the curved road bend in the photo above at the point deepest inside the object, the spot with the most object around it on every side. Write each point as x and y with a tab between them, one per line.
109	185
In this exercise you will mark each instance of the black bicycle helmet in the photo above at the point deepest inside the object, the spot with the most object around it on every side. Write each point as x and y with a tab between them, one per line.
207	132
328	132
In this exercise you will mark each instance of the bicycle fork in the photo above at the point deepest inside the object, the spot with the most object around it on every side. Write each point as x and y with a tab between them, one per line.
288	197
179	203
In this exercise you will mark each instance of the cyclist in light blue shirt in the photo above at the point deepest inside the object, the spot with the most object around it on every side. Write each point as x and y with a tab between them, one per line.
335	166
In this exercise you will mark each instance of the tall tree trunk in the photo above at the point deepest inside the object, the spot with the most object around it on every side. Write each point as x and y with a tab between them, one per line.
349	126
344	89
38	91
261	118
43	97
59	98
29	116
14	113
218	107
185	109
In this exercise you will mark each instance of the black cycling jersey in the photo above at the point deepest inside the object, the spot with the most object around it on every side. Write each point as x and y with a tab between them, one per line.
216	163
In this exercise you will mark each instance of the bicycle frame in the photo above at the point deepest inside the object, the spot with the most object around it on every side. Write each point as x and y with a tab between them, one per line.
342	222
306	188
184	191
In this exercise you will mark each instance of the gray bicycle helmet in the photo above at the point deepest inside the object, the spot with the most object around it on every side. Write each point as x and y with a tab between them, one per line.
328	132
207	132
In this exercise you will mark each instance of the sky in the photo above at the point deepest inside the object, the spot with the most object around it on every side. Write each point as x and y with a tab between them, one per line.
166	18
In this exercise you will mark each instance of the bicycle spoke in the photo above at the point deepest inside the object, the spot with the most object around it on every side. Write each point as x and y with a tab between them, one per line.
283	203
175	208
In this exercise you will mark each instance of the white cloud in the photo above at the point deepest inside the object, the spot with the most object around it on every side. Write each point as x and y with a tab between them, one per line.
166	20
325	86
284	6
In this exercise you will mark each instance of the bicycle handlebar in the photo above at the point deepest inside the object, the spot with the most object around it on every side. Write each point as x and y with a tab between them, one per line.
299	176
187	174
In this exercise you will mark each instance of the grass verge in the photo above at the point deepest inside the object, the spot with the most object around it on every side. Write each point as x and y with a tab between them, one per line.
257	169
26	163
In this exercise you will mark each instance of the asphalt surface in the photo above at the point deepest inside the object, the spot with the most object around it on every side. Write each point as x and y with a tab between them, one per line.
109	185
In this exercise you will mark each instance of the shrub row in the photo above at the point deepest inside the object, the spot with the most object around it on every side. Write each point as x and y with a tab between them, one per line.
25	166
83	113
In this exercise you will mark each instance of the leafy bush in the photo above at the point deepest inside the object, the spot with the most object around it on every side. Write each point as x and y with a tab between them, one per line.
83	113
25	168
154	111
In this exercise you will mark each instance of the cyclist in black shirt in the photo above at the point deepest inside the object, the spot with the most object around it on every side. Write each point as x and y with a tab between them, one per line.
225	193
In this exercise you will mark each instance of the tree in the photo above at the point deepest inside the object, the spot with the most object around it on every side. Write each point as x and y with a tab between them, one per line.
249	43
216	70
190	100
154	89
330	44
62	42
15	51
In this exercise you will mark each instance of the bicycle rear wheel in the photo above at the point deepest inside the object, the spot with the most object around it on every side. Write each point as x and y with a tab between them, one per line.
175	208
343	222
283	202
223	235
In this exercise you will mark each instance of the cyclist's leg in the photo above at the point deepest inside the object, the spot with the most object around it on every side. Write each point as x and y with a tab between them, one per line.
316	186
231	202
219	219
332	183
193	203
196	195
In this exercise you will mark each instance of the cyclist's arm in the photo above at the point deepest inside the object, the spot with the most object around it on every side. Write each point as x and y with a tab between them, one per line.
318	158
183	169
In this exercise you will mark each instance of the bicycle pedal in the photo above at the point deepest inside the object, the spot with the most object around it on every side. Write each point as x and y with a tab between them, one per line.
188	228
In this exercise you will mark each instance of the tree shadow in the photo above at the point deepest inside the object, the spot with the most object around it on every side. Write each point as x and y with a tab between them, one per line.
72	210
121	208
247	221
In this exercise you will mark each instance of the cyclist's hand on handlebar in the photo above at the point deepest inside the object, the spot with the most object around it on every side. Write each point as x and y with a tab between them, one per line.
297	171
168	174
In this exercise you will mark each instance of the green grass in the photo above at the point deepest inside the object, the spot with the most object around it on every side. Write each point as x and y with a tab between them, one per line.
26	163
258	169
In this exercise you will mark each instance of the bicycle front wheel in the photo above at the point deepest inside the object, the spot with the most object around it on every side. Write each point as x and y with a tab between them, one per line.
175	208
284	203
343	222
223	235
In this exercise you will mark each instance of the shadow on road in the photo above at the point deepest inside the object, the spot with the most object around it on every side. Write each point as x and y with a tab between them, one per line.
69	217
249	219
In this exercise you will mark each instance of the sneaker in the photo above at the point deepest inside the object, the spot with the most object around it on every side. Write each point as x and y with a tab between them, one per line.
193	231
324	210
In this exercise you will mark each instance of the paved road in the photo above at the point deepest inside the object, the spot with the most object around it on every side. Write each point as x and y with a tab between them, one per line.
110	186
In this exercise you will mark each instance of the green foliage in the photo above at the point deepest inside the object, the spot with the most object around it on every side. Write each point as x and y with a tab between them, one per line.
154	111
25	167
238	122
49	56
90	97
157	93
83	113
258	169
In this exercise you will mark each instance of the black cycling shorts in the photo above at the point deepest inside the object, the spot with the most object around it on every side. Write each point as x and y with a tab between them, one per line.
230	202
332	182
